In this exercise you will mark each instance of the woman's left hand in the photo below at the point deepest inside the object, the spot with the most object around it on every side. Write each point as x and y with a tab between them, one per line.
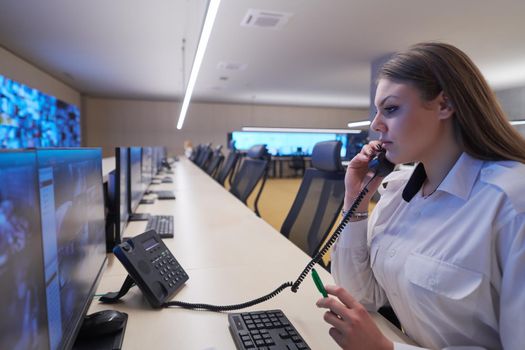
353	328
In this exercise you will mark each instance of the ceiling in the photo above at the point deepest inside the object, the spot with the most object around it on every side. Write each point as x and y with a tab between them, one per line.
320	57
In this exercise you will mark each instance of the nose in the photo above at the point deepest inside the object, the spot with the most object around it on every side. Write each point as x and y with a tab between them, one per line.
378	124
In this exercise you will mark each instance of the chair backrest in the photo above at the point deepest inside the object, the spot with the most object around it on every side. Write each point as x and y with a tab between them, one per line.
227	168
319	199
215	162
252	170
204	157
195	154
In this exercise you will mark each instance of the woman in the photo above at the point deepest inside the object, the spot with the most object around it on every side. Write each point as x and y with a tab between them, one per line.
445	245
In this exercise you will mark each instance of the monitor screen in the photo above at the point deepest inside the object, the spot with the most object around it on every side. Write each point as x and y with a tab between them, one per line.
23	319
121	190
136	186
73	234
30	118
286	143
147	165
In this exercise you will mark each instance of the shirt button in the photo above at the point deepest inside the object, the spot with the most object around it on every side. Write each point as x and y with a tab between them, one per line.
392	253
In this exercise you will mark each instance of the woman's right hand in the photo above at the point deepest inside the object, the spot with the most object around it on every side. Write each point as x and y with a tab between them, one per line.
358	174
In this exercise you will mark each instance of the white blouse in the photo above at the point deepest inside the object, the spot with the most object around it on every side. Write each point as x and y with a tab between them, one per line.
451	265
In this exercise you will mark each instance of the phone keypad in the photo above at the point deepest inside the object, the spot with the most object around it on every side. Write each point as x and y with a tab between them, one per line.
171	273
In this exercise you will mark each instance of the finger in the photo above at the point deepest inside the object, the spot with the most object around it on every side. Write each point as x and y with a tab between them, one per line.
343	295
337	336
335	307
335	320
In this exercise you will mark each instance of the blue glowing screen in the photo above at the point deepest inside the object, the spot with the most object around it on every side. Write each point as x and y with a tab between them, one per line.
286	143
30	118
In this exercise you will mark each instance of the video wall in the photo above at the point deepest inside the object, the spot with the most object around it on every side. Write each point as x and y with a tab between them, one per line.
296	143
30	118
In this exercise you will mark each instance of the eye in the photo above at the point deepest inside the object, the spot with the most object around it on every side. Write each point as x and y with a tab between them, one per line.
390	109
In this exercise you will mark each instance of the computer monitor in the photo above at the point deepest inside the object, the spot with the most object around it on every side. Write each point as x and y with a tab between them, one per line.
118	196
73	236
136	186
23	319
147	166
286	143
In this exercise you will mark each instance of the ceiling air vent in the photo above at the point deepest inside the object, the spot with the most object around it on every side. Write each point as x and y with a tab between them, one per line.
232	66
265	19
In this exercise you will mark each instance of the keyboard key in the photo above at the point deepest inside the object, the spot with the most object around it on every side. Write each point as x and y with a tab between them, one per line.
264	330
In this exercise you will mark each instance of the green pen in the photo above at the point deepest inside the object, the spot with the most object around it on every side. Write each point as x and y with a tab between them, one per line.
319	283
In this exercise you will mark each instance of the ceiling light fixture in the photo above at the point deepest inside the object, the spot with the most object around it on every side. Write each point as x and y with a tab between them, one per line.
337	131
359	124
517	122
211	13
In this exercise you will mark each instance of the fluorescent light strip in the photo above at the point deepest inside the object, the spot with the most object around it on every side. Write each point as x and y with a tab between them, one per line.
359	124
211	13
517	122
337	131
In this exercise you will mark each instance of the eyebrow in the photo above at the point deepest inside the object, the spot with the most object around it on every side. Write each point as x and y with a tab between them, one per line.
386	98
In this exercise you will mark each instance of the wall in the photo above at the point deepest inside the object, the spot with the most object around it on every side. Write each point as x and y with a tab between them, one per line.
111	122
17	69
513	103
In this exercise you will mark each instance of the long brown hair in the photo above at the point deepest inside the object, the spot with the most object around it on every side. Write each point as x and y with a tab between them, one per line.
480	124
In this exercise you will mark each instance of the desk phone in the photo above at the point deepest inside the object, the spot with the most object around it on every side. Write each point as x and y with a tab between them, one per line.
152	267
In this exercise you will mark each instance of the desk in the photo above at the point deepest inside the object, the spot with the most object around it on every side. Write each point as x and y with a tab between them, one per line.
231	256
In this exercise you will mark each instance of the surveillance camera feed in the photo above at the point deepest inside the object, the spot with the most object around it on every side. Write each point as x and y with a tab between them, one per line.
52	244
23	320
73	230
30	118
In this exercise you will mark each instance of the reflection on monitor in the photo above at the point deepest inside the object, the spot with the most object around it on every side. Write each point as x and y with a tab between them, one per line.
121	190
30	118
23	320
286	143
73	234
147	165
137	188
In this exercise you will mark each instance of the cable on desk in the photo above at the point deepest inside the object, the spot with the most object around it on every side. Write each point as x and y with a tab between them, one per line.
218	308
294	285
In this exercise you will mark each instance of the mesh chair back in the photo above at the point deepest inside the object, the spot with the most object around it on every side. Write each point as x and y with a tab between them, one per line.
228	167
214	163
195	154
204	157
251	171
318	201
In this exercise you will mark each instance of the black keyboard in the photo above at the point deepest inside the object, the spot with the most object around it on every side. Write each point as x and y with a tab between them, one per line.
264	330
162	224
165	194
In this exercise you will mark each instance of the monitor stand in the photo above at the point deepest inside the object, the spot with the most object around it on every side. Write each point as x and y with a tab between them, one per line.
109	341
139	217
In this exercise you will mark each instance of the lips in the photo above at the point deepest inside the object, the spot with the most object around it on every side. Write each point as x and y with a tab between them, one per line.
385	144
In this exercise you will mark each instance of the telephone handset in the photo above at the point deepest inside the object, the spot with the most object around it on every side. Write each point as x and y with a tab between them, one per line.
144	254
381	165
151	266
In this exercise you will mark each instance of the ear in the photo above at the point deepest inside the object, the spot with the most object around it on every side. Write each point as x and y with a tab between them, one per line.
446	110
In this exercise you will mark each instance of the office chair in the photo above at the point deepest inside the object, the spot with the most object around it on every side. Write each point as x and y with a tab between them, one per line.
297	164
204	156
227	169
319	199
253	168
195	154
215	162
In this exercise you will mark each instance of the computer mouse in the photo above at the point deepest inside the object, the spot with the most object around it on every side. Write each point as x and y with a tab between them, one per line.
102	323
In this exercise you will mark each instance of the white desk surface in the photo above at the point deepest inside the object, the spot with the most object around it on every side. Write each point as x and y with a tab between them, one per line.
231	256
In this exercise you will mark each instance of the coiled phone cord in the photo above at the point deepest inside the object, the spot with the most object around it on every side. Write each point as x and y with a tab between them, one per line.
294	285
